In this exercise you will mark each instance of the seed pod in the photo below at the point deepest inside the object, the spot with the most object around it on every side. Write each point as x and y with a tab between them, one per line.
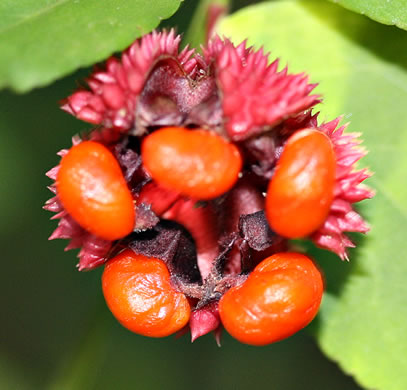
301	192
196	163
92	189
281	296
138	292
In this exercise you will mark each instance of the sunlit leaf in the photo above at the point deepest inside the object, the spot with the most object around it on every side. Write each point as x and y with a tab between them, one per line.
392	12
43	40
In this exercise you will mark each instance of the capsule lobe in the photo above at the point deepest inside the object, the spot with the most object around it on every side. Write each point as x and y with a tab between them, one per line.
280	297
197	163
301	192
91	187
139	294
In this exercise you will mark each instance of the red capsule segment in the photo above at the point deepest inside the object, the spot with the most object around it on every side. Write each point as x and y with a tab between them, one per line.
138	292
92	189
196	163
301	192
280	297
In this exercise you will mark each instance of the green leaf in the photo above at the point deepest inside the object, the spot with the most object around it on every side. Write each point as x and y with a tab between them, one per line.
43	40
362	69
393	12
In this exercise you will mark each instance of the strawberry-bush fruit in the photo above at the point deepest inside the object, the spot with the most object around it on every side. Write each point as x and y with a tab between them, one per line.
302	188
198	163
93	191
138	291
280	297
219	161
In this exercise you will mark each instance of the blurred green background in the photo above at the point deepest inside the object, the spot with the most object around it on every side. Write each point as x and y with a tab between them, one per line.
57	333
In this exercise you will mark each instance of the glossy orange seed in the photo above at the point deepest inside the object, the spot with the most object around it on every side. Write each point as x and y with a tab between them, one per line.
196	163
280	297
301	191
138	292
92	189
